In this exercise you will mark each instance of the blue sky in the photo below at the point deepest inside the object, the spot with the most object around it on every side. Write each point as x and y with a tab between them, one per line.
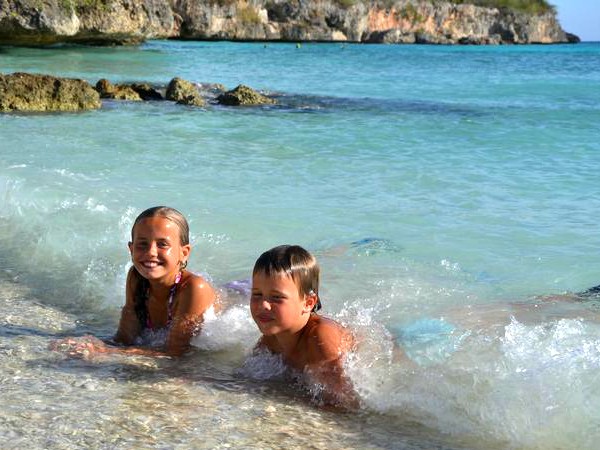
580	17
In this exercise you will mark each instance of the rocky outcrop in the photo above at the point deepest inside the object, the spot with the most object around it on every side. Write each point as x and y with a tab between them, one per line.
39	93
118	92
184	92
31	22
243	95
384	21
132	92
45	93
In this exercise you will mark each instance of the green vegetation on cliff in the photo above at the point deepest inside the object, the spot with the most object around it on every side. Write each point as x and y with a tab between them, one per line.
528	6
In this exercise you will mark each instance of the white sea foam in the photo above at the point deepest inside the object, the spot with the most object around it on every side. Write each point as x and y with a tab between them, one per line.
233	327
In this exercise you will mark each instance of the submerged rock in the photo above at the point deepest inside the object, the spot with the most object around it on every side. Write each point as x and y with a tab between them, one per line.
33	92
184	92
243	95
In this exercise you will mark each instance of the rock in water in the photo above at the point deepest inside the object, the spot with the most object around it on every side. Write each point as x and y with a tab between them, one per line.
184	92
33	92
118	92
243	95
146	92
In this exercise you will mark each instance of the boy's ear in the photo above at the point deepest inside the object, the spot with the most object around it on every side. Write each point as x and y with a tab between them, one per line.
310	300
130	245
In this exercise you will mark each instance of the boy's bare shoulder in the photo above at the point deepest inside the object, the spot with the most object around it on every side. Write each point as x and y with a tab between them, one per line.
327	339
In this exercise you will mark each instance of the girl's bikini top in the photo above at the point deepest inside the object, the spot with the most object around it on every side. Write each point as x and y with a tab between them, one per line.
172	291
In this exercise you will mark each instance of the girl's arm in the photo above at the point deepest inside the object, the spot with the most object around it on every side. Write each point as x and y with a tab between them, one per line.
195	298
129	325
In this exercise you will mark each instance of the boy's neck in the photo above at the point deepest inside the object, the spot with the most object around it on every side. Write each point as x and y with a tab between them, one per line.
288	341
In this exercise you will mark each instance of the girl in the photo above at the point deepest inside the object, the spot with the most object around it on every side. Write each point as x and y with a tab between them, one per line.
283	303
163	301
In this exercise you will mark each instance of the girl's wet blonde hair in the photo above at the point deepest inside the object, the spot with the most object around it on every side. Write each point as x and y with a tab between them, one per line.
141	289
168	213
295	262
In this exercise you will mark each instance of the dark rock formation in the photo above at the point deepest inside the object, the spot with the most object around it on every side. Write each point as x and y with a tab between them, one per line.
31	92
385	21
243	95
184	92
146	92
118	92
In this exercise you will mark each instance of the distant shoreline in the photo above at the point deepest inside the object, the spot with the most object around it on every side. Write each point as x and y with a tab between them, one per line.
131	22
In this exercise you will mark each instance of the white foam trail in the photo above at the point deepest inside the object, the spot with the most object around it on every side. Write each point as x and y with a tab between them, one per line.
525	386
232	328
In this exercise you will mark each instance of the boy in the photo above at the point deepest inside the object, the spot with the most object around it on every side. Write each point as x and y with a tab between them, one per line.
283	303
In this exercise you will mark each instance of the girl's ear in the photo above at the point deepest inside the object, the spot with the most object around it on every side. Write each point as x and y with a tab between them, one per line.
185	254
310	300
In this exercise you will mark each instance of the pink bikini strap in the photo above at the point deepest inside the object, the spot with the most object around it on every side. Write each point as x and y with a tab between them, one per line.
172	292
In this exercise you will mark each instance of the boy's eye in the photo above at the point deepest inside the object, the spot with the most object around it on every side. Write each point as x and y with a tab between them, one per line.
272	299
163	244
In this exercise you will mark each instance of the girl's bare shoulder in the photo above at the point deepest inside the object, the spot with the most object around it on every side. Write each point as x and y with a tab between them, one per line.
194	281
195	294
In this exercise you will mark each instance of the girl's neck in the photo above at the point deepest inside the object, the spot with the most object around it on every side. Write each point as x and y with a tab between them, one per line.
164	285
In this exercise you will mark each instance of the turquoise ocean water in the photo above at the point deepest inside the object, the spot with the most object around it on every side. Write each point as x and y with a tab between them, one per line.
450	194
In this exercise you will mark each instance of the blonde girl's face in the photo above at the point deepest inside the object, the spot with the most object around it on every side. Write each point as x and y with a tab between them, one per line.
276	304
156	250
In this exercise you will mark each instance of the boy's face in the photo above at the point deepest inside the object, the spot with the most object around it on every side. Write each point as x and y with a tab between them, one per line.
276	304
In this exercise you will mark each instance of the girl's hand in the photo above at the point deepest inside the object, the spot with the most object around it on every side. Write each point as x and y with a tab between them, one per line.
80	348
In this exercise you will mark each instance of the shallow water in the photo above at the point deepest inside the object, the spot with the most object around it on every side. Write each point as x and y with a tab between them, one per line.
449	193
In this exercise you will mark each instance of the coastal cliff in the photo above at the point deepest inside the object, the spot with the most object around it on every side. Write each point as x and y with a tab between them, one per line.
108	22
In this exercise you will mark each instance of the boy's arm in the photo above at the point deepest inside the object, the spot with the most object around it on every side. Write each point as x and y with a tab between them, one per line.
329	344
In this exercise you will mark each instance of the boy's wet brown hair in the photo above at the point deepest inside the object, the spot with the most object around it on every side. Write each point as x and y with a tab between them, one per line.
295	262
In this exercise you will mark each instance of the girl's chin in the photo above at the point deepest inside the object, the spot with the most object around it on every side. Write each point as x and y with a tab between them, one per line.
153	273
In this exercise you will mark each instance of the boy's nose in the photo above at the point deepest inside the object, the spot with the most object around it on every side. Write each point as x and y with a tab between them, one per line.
266	304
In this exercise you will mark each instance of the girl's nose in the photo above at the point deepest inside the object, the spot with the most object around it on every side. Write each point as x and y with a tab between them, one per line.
153	249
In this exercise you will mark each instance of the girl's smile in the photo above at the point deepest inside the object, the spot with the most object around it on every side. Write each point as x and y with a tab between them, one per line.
156	250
